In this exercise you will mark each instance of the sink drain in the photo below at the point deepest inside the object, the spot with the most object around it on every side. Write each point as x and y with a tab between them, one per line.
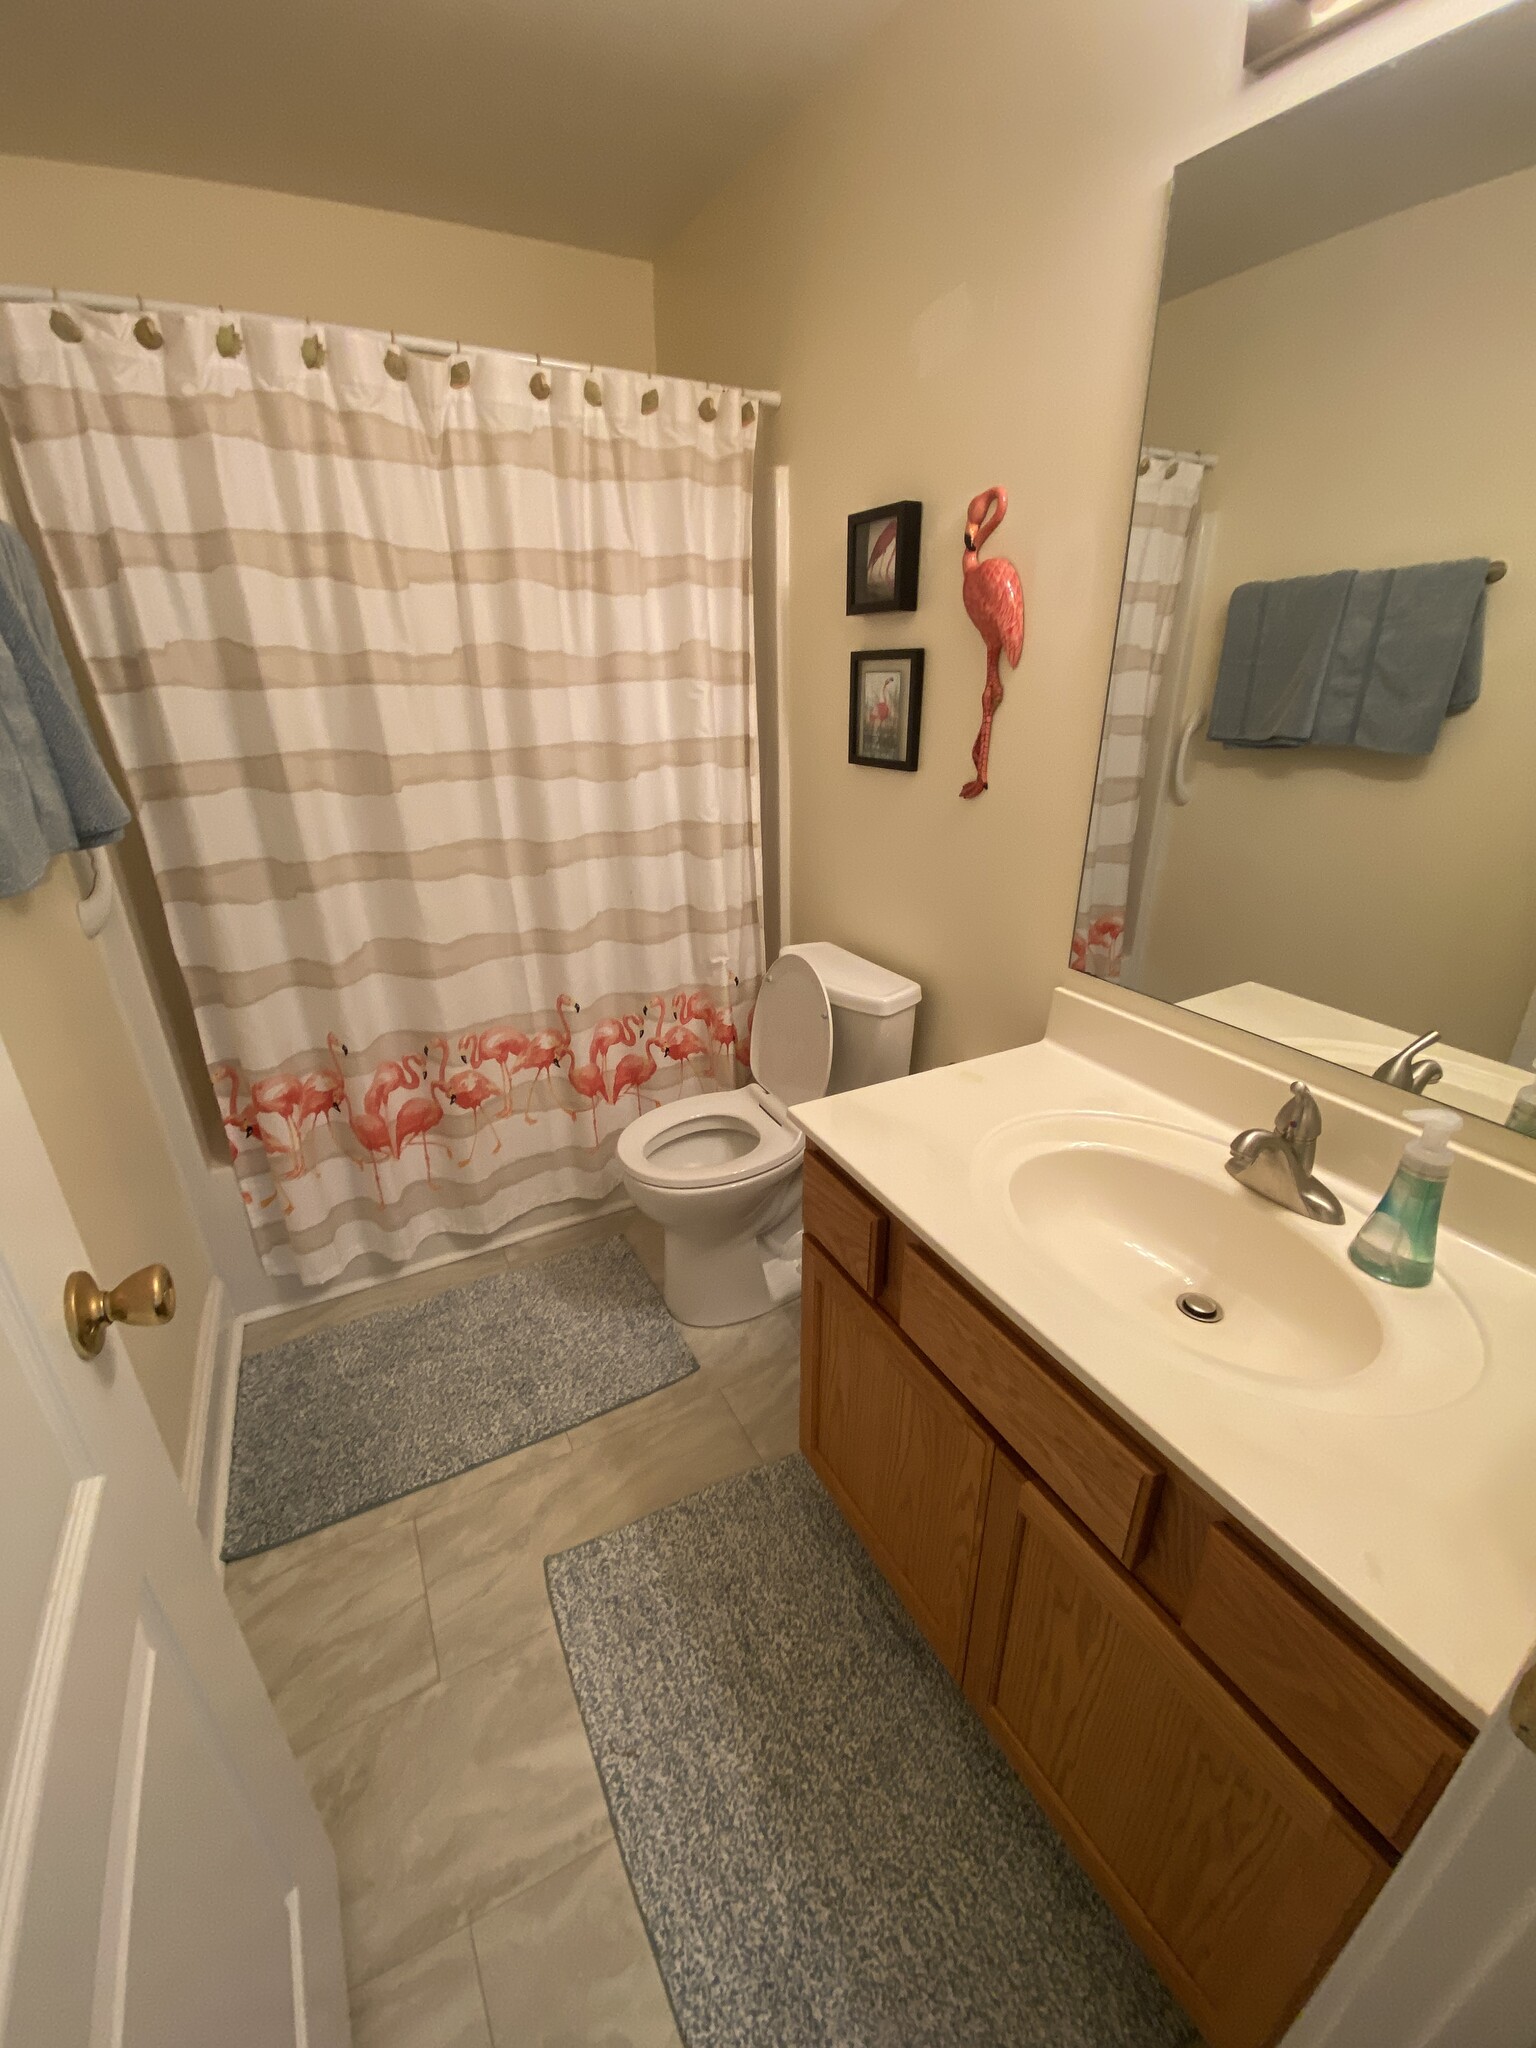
1200	1308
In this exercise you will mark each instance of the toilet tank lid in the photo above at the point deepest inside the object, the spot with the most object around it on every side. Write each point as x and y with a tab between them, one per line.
856	984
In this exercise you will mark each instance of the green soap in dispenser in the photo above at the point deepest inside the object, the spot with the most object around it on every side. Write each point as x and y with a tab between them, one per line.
1397	1242
1522	1115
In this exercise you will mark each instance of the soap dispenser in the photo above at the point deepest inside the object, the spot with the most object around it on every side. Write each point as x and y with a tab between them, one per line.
1522	1115
1397	1242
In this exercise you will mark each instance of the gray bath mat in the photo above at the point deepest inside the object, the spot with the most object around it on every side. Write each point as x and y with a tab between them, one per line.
827	1848
338	1421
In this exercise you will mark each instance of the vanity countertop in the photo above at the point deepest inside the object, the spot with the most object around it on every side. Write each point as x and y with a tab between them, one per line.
1421	1526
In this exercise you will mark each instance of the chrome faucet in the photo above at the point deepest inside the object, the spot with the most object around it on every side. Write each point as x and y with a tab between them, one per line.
1277	1164
1407	1071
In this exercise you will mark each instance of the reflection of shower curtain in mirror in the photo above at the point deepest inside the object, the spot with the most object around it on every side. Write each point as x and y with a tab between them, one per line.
434	698
1167	497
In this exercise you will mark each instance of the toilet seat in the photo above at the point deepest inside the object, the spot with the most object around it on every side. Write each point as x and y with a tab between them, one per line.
709	1141
740	1135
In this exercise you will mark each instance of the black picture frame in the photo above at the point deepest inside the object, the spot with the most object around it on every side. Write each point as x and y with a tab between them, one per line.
895	586
867	745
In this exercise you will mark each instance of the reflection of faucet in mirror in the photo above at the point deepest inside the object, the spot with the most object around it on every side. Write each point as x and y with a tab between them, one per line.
1278	1164
1407	1071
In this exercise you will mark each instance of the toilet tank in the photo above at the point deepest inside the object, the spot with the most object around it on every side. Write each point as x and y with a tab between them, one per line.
873	1011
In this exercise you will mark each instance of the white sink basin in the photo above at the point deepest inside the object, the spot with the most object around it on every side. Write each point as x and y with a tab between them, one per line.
1135	1214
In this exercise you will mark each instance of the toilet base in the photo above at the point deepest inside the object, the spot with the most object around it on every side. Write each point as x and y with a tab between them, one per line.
709	1281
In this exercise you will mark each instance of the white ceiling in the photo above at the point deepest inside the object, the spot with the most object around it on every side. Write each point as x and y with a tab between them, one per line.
607	123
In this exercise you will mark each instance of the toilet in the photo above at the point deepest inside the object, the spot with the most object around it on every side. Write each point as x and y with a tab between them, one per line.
721	1173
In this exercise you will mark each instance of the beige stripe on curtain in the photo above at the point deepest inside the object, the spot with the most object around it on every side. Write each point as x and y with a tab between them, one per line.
436	707
1167	498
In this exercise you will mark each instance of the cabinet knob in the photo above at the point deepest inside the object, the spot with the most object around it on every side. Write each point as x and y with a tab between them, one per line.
148	1296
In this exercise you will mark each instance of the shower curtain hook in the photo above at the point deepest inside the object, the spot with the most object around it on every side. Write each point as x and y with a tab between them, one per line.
145	332
539	383
458	369
64	325
227	337
394	360
594	390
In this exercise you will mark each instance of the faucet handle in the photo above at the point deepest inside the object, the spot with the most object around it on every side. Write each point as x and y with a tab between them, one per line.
1300	1121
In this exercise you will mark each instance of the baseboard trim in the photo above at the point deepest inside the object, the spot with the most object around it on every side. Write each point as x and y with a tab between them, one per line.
205	1465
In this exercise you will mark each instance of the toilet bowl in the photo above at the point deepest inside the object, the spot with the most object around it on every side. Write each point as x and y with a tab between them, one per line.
721	1173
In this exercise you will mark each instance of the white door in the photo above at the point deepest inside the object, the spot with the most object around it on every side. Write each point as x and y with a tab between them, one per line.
164	1879
1446	1957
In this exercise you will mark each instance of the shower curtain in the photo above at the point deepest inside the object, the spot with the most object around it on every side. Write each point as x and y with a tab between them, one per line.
1167	498
432	684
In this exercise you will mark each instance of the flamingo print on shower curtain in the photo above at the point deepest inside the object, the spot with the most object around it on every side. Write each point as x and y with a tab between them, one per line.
434	699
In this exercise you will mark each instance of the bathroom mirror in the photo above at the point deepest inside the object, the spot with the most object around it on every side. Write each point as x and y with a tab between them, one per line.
1315	808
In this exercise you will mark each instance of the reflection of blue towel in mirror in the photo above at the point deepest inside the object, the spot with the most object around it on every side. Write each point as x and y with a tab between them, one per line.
1373	658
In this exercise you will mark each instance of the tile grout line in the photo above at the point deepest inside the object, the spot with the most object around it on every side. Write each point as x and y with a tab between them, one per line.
485	2003
421	1573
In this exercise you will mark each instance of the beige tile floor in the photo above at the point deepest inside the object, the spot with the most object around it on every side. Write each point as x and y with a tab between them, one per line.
413	1660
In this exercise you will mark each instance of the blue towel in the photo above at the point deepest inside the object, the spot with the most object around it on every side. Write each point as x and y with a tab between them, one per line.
1376	658
55	795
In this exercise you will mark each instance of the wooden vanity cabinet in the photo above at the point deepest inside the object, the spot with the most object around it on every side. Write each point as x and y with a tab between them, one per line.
1233	1765
903	1459
1228	1862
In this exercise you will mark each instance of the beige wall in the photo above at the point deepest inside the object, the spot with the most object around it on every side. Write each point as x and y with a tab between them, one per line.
1370	400
103	1133
949	265
85	228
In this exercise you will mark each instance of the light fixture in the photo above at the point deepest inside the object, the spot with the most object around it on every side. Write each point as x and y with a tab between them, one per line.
1279	28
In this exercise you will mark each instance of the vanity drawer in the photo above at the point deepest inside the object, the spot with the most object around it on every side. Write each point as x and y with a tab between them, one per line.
1387	1752
1107	1482
845	1222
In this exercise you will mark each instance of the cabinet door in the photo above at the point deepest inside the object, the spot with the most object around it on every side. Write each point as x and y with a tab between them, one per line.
1226	1860
906	1463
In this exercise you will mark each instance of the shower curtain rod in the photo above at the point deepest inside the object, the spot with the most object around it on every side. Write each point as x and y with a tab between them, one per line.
418	344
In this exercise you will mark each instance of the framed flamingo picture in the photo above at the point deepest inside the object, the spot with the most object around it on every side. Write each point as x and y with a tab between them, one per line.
885	708
883	547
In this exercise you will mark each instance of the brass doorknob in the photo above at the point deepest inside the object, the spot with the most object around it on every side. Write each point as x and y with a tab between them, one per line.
148	1296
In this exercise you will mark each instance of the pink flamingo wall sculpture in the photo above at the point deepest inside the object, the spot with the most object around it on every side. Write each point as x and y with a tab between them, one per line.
994	600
